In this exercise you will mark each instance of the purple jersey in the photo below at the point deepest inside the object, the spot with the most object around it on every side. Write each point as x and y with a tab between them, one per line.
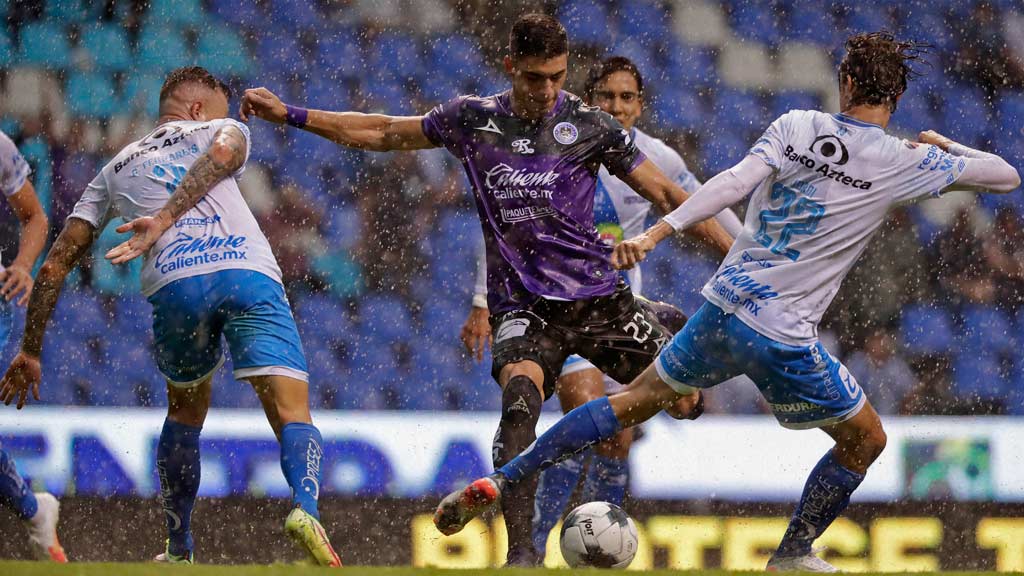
534	183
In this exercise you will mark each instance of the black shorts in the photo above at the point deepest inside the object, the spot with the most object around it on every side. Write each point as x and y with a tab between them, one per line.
618	333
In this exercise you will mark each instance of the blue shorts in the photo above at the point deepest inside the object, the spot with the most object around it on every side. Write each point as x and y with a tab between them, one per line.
805	385
248	308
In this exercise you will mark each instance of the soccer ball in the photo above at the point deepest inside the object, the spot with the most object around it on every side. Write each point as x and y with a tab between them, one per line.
598	535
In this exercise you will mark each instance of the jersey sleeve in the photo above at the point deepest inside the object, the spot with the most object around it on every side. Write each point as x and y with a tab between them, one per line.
621	156
441	125
771	146
95	206
923	170
248	142
14	170
677	170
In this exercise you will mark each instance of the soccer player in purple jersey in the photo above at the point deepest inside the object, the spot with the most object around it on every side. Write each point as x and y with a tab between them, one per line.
532	155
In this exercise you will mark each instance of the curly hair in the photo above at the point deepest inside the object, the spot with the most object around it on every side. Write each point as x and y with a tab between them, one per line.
879	66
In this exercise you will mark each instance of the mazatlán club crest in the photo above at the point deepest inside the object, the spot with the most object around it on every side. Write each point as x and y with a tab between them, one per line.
565	133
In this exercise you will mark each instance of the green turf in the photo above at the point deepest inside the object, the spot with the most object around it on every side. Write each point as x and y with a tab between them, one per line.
88	569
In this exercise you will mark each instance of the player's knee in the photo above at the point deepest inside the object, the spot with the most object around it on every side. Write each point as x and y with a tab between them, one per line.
520	402
874	444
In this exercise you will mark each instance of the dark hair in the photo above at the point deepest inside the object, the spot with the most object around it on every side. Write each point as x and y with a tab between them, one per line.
537	35
879	66
606	68
192	74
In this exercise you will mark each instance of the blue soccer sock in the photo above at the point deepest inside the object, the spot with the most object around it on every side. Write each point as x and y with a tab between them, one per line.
826	495
301	451
607	479
553	492
575	432
177	464
14	491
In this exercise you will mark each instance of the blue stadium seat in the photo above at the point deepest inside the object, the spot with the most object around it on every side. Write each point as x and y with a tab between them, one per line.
739	108
930	26
384	317
176	13
281	52
782	102
639	52
965	115
586	21
439	88
71	11
810	26
399	54
868	17
926	329
301	13
721	151
1010	110
7	52
914	112
456	54
325	92
644	21
107	45
987	329
387	93
82	313
238	13
342	227
161	50
338	54
757	22
678	108
45	44
689	66
324	316
979	378
142	93
220	50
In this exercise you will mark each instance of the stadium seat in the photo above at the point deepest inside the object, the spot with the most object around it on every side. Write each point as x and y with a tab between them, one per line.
324	316
45	44
456	54
238	13
689	67
986	328
805	67
222	51
700	23
810	27
722	151
740	109
783	102
1010	110
645	21
161	50
638	51
926	329
107	46
342	228
965	115
399	54
281	52
678	108
176	13
868	17
746	65
142	93
586	21
91	95
384	317
338	54
756	22
979	378
914	113
301	13
71	11
7	51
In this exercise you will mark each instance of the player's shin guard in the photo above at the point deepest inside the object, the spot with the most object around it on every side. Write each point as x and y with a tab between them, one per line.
301	451
554	489
520	410
14	491
576	431
607	479
177	464
826	495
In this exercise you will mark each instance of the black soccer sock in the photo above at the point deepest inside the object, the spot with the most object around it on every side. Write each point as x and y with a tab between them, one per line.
520	410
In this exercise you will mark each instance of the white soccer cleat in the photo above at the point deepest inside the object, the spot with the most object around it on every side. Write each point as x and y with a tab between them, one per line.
166	557
42	529
806	563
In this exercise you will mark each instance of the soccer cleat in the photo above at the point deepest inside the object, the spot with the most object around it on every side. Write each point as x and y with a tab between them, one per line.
806	563
524	557
309	535
461	506
166	557
42	529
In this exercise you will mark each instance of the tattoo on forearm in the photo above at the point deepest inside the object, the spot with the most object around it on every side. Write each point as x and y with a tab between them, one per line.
207	172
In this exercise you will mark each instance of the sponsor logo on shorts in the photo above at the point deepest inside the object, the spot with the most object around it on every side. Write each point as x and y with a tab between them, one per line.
513	328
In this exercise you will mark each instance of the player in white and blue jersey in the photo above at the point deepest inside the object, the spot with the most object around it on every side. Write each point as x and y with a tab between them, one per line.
617	87
820	186
39	512
209	273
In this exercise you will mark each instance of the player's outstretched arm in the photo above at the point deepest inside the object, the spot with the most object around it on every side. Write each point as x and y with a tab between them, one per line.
648	181
376	132
984	173
25	371
723	190
17	278
223	158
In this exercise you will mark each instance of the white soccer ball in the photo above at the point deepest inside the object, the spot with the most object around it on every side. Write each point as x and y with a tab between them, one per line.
598	535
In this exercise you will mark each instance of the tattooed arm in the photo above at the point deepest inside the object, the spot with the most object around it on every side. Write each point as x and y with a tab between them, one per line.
25	372
225	156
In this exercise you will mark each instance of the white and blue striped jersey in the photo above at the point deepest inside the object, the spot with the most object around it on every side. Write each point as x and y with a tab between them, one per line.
832	182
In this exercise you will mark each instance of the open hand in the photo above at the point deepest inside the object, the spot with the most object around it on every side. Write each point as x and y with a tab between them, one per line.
264	104
146	231
16	281
23	374
629	253
476	332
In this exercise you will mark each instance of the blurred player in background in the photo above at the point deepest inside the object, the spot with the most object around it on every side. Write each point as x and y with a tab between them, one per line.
209	273
39	512
821	185
617	87
532	154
